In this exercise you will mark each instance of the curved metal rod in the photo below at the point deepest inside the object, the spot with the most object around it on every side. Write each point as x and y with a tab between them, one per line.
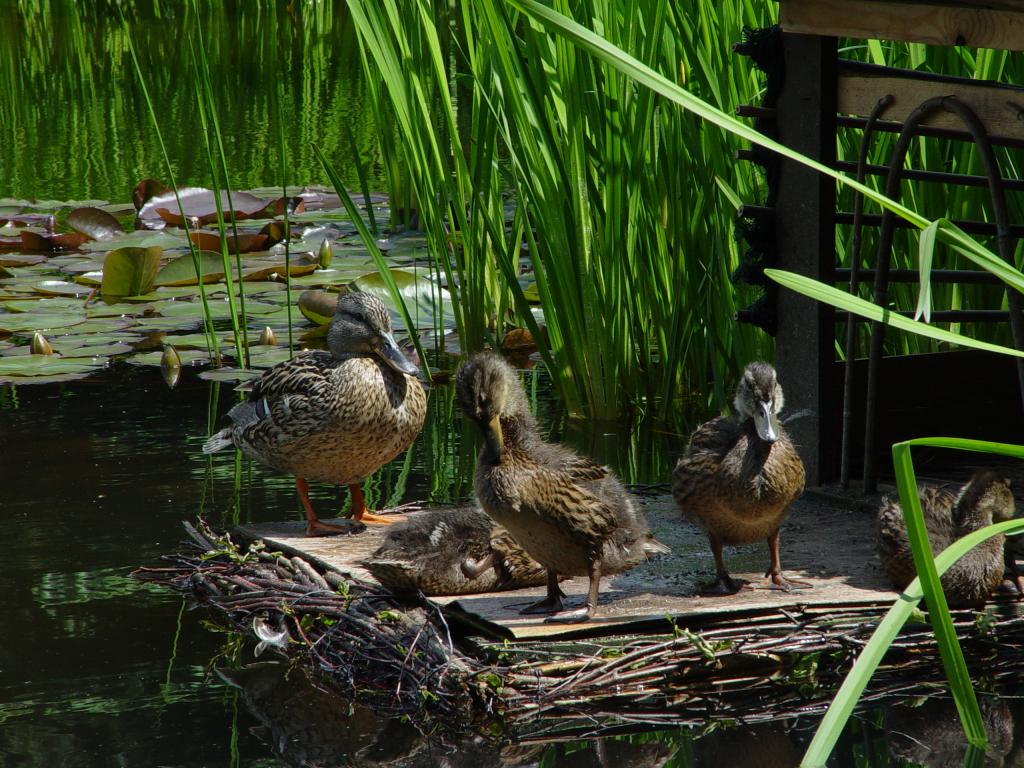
881	286
851	326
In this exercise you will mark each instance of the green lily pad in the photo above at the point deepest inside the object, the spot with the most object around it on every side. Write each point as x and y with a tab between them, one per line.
141	238
182	270
318	306
61	288
29	366
155	358
27	322
129	271
423	298
228	374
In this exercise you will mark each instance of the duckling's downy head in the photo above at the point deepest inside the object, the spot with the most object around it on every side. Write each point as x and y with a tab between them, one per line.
759	396
986	498
361	325
488	389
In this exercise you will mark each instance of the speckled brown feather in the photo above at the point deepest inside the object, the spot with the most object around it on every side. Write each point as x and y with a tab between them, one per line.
334	421
425	553
948	517
565	510
734	485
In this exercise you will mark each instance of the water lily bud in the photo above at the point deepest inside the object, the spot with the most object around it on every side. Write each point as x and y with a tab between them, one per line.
40	346
170	366
326	254
268	337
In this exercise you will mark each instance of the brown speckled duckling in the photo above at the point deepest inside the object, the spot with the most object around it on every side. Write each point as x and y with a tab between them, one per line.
739	475
568	513
335	416
986	499
452	552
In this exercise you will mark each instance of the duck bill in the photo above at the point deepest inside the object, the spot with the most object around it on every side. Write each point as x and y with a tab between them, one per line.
392	355
765	423
493	446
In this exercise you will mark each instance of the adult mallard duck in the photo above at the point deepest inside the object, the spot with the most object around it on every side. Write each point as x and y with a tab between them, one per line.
970	580
334	416
456	551
739	474
570	514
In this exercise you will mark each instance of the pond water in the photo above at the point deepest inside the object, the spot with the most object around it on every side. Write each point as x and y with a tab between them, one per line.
97	669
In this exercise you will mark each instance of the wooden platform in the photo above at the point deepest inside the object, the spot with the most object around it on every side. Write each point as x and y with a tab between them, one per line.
830	547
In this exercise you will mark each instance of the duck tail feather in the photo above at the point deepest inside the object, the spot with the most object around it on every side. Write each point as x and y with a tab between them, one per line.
218	442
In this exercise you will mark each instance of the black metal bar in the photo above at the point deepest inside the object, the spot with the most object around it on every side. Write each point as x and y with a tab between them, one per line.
936	177
854	273
987	228
961	276
892	126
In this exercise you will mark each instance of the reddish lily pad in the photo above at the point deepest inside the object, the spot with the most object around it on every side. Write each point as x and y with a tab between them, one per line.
20	259
96	223
245	243
199	203
48	242
318	306
146	190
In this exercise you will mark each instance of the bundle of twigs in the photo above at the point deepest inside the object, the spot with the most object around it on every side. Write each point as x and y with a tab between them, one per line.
399	662
749	669
400	658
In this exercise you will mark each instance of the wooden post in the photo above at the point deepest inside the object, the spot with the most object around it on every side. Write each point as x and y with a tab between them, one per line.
805	205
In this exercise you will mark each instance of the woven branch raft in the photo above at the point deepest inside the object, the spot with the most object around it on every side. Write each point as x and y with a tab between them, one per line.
407	658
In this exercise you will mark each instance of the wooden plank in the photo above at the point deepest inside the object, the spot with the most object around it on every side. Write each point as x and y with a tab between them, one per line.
999	107
640	600
983	26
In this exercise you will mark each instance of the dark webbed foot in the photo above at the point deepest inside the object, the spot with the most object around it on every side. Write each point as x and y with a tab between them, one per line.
577	616
774	571
724	584
552	603
317	527
779	581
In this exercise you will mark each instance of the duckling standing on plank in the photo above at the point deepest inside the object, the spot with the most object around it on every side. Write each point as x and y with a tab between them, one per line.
452	552
739	475
335	416
986	499
570	514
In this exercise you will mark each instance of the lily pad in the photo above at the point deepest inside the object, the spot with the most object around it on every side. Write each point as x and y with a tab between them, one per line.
96	223
247	242
29	366
228	373
61	288
182	270
27	322
200	204
130	271
186	356
318	306
423	298
47	242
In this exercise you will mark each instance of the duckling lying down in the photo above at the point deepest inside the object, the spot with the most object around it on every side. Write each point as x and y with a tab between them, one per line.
456	551
986	499
568	513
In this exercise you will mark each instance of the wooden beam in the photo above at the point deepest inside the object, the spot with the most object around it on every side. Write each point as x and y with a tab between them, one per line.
1000	108
980	25
805	239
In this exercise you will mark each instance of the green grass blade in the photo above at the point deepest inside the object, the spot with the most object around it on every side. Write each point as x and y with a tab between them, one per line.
925	255
842	300
867	662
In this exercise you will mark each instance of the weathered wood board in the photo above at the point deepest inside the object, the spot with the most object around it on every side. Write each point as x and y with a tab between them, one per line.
992	24
829	547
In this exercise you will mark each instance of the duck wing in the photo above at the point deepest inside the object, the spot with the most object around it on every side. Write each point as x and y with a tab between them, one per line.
709	445
576	510
297	396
